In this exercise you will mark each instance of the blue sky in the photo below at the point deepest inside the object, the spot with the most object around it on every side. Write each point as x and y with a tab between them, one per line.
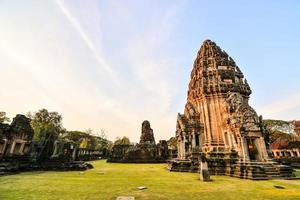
112	64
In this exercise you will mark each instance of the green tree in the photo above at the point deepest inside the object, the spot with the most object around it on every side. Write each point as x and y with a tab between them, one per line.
123	140
76	136
3	117
45	123
98	142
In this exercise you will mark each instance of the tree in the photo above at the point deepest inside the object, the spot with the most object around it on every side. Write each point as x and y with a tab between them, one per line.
3	117
76	136
88	140
46	124
123	140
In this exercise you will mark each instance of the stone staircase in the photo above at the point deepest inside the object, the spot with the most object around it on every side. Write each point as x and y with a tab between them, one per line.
260	170
183	166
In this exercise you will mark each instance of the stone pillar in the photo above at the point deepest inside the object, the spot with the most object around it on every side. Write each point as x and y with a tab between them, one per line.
193	140
12	147
206	123
55	149
74	153
212	122
4	146
22	148
245	149
264	149
298	153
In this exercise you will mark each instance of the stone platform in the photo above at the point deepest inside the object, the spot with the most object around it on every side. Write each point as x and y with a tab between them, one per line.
253	170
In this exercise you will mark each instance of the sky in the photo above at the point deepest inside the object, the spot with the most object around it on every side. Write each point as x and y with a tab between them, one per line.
112	64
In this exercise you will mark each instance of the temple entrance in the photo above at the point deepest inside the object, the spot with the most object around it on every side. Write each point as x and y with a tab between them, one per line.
252	149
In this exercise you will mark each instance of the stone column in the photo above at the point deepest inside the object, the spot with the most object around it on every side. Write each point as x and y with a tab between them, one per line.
265	155
193	139
207	121
74	153
212	121
4	146
219	109
22	148
55	149
298	153
245	149
12	147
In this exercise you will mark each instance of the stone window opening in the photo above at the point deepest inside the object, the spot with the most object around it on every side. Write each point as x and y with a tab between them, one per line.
278	154
186	147
288	154
17	148
295	154
197	140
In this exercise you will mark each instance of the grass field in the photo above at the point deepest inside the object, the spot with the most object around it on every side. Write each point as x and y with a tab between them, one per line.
107	181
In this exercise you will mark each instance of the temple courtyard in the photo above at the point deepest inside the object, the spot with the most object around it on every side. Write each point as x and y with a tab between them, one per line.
110	180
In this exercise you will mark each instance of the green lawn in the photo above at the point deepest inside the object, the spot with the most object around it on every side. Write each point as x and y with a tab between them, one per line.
107	181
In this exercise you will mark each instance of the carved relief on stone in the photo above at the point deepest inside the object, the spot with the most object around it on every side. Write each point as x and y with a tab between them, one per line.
234	101
190	110
250	121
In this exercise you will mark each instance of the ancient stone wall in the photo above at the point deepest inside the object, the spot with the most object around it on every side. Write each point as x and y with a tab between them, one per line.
16	138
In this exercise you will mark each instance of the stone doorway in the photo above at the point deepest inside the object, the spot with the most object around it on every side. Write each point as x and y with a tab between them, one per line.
252	149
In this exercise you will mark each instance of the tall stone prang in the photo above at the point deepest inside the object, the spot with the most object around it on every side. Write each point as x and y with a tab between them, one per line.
147	133
218	122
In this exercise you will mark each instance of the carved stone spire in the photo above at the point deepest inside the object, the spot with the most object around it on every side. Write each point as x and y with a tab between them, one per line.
217	101
214	72
218	121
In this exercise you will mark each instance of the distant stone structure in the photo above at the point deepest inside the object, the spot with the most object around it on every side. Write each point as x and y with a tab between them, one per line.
147	136
18	152
219	123
15	139
284	141
144	152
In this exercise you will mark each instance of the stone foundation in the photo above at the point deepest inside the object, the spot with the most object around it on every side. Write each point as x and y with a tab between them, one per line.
230	167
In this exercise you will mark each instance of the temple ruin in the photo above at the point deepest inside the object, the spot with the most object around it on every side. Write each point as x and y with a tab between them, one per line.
18	151
284	141
146	151
219	124
15	139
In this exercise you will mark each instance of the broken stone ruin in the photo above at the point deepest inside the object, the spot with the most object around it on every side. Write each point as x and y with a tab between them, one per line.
18	152
146	151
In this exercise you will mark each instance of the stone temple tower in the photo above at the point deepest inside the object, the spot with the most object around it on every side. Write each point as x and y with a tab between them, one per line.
218	122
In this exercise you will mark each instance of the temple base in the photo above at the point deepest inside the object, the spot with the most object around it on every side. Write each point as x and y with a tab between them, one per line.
228	164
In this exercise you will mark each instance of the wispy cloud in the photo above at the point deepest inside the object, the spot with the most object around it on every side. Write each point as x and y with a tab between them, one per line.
96	52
